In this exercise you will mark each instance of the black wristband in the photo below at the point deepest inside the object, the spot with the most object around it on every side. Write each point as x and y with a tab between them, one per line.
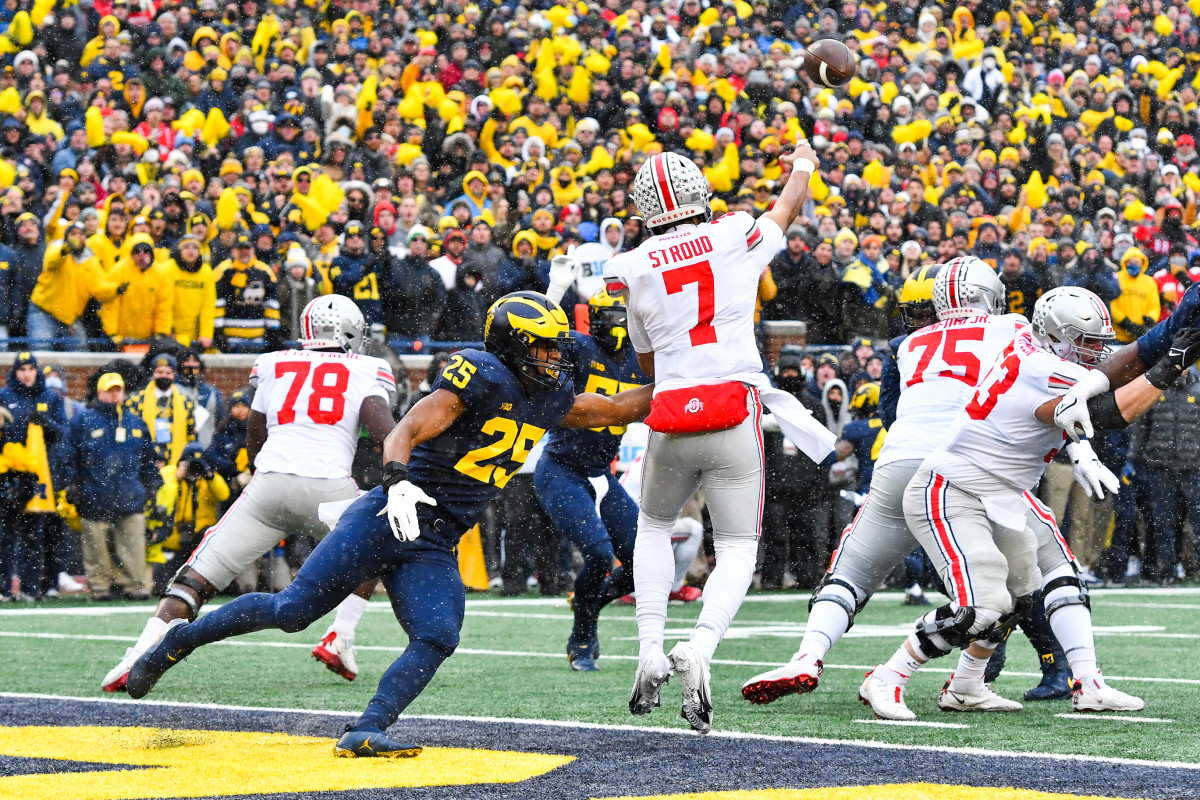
393	473
1164	373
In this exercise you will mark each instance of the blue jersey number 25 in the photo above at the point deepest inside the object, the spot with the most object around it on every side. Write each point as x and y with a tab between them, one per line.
515	440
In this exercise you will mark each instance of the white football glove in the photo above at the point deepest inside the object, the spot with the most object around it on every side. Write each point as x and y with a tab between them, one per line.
1093	476
563	271
1071	414
401	509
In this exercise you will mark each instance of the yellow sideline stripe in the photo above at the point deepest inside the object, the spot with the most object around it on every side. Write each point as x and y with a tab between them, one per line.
891	791
189	763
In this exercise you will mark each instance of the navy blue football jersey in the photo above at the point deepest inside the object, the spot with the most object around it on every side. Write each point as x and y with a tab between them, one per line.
591	450
465	466
867	436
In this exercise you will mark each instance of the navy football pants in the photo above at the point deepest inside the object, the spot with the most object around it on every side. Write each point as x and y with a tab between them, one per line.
569	499
421	579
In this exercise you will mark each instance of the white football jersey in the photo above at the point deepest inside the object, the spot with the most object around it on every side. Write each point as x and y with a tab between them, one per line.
996	441
940	366
311	400
692	293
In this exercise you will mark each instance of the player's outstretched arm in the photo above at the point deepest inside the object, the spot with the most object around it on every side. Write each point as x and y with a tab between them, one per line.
429	417
376	418
803	162
1128	363
1117	409
596	410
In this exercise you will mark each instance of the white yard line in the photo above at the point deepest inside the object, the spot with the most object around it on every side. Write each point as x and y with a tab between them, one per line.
1116	718
910	723
971	751
467	651
1186	606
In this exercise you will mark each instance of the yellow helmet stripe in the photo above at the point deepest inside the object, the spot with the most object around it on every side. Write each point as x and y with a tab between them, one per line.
552	325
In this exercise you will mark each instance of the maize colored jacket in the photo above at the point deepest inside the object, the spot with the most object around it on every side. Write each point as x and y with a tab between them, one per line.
1138	301
148	306
68	281
195	301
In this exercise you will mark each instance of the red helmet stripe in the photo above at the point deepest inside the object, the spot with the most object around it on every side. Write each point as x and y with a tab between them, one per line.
663	180
952	287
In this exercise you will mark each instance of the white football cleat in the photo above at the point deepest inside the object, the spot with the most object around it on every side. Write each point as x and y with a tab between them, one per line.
693	675
985	700
798	676
337	654
885	699
652	673
1094	695
118	676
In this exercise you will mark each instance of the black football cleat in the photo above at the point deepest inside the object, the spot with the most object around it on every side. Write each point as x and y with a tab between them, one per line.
372	744
154	663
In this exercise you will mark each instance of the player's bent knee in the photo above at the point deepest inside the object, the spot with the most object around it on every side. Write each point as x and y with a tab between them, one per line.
956	626
443	638
293	614
841	591
599	553
1065	590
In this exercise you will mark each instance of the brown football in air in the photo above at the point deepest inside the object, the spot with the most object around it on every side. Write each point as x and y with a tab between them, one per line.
829	62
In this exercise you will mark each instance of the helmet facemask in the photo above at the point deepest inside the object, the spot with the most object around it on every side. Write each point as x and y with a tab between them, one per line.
608	326
545	372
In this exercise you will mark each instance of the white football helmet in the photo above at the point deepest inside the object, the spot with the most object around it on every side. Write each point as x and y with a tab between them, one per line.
333	322
968	287
669	188
1073	324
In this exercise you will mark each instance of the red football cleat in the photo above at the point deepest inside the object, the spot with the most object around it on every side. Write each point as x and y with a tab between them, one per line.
337	654
688	594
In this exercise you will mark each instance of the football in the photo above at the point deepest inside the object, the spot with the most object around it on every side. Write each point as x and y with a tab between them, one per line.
829	62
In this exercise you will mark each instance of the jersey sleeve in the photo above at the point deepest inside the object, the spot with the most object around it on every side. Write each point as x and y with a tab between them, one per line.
1046	377
472	376
383	383
763	238
637	333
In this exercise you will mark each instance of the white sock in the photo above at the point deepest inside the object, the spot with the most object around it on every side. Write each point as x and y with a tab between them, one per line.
968	675
653	573
725	590
900	667
685	548
349	612
150	635
1072	625
915	590
827	622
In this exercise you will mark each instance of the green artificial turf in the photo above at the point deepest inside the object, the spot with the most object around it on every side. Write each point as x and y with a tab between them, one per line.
507	683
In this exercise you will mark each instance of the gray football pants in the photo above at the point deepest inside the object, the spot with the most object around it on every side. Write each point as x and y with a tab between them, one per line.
272	507
879	537
981	563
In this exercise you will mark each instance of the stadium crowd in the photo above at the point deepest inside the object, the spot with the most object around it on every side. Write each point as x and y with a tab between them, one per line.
190	174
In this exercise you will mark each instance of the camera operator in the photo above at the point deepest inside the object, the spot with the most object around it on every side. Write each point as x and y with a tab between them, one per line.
198	490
